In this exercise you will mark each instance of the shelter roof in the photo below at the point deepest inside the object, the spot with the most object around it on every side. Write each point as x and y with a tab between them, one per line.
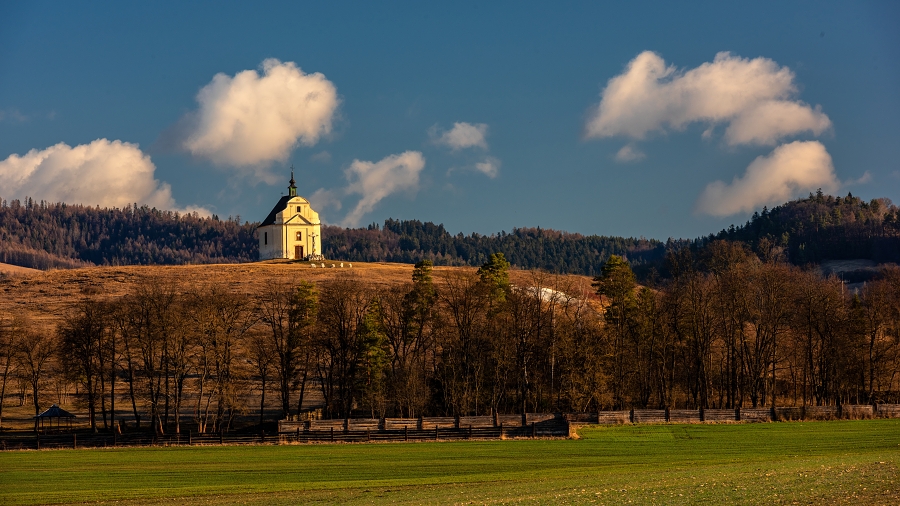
55	411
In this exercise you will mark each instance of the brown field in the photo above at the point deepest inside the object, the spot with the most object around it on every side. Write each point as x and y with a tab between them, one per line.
9	269
43	296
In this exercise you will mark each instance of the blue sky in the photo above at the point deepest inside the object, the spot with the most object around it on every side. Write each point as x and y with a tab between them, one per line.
614	120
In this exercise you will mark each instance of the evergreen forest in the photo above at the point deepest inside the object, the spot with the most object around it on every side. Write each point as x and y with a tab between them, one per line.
808	230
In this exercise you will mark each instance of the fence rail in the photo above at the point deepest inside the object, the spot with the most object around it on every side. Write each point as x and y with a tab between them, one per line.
446	428
25	441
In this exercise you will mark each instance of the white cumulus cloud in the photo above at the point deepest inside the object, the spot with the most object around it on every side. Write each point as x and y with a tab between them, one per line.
374	181
463	135
490	167
789	171
755	98
629	153
106	173
253	119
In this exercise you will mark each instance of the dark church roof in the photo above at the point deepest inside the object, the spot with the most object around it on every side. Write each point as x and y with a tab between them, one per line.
280	206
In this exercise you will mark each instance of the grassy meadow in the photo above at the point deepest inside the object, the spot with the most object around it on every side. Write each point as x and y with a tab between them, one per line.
840	462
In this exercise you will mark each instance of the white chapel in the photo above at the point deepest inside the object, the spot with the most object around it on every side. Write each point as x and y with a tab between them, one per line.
292	230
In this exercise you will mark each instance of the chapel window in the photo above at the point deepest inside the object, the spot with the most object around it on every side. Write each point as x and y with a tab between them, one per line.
299	236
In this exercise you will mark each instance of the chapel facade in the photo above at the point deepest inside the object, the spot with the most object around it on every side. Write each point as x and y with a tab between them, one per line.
292	230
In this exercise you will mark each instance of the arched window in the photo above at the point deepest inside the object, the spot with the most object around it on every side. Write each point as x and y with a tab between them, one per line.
299	236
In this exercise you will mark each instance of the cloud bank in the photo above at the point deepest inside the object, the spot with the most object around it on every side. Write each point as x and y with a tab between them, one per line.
106	173
788	172
754	98
251	120
463	135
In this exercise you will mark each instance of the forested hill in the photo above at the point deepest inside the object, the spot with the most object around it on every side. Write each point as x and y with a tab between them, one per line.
824	227
45	236
527	248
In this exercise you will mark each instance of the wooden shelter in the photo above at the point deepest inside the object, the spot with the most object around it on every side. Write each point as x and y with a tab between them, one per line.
49	414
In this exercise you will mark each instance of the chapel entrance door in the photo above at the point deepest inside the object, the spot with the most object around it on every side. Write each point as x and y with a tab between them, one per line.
298	252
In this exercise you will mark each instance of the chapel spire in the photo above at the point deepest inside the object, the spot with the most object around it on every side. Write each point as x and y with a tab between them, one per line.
292	189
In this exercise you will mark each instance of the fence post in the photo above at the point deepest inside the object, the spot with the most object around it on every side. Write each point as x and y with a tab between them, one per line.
666	415
406	433
470	432
702	414
368	435
332	433
533	430
38	439
631	415
435	432
74	441
190	438
501	430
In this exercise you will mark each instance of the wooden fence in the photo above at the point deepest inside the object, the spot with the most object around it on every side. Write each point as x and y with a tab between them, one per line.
447	428
82	439
425	428
845	411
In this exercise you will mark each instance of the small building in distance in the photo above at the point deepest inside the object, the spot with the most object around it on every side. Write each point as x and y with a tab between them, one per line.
292	230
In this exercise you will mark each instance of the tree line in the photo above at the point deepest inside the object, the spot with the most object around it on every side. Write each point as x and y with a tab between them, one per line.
43	235
824	227
810	230
410	241
730	328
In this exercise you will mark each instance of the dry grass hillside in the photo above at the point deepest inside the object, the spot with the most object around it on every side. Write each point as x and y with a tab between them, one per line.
9	269
43	296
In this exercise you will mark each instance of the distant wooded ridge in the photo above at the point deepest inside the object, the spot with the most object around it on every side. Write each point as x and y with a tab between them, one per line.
43	235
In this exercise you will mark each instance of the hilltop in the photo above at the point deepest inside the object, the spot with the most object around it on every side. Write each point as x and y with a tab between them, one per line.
808	230
44	295
42	235
824	227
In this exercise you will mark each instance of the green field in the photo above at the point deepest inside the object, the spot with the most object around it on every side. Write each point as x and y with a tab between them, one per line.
841	462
